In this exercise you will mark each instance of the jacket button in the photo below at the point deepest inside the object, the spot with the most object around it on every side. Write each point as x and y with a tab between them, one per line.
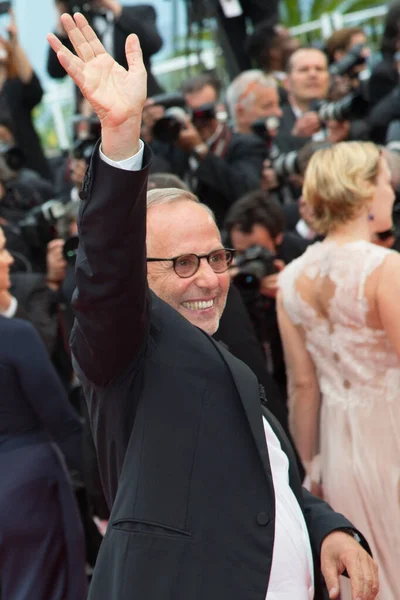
262	519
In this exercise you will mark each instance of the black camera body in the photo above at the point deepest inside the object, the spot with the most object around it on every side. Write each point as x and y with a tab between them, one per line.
38	227
350	107
70	249
83	6
83	147
346	66
168	128
254	264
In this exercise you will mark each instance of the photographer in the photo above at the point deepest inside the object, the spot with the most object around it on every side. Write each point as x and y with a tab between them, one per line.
344	40
20	92
113	23
308	80
223	164
255	226
14	172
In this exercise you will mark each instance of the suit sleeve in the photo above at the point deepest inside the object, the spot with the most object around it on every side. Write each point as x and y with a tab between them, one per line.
322	520
32	92
381	83
239	175
142	21
112	300
44	391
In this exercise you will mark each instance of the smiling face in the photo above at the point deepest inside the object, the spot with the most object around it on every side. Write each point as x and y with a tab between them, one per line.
179	228
6	260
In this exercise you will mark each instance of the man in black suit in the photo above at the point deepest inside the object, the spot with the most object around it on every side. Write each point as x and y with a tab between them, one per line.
308	80
113	25
225	163
258	220
201	504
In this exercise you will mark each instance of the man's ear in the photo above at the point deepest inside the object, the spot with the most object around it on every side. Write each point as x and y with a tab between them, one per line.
239	109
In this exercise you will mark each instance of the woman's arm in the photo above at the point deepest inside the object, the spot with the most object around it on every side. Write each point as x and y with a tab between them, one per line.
44	392
20	58
303	389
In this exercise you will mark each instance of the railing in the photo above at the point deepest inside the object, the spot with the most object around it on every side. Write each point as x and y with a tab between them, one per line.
59	97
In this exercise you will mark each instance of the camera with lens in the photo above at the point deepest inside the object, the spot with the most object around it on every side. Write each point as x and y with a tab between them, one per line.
352	106
83	6
168	128
70	249
39	226
254	264
12	159
264	128
287	164
87	131
352	59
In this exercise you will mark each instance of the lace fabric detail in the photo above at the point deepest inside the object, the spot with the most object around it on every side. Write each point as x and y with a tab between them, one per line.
324	292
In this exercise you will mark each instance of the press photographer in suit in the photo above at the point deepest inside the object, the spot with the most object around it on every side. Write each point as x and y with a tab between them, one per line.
225	163
197	480
113	23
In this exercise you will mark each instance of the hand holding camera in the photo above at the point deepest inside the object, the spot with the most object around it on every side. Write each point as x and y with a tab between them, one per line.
190	138
269	179
307	125
56	264
269	284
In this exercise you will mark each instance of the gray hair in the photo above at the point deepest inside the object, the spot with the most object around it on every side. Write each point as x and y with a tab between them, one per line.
241	83
171	195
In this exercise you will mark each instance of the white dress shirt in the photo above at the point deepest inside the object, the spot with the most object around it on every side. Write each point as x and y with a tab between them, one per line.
11	310
291	574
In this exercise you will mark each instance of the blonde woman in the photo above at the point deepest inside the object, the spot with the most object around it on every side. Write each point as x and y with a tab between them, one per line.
339	317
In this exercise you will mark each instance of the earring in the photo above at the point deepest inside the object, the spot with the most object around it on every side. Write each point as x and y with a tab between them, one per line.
371	217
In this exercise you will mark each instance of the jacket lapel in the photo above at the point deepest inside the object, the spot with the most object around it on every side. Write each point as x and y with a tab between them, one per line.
249	392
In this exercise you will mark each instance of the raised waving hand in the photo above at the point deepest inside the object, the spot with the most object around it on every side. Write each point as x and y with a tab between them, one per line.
117	95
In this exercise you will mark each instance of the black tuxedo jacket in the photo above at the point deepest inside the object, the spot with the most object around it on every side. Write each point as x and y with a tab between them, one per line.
176	421
285	140
139	19
384	78
223	179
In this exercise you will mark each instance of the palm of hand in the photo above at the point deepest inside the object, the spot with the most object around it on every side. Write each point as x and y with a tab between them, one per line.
116	94
113	92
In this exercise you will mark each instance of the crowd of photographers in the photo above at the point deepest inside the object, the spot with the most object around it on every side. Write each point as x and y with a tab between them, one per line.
242	148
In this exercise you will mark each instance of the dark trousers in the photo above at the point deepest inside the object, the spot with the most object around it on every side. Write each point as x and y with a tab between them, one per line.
41	541
233	32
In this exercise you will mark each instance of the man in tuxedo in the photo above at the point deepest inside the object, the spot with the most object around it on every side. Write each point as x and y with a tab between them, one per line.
113	23
202	504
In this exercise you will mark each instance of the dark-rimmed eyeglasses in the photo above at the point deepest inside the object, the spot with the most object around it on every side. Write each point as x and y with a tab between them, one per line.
186	265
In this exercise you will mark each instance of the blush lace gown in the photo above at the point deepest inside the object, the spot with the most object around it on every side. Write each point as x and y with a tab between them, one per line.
330	293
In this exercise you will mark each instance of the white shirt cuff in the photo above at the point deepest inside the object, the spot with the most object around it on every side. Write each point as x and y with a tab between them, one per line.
11	310
134	163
